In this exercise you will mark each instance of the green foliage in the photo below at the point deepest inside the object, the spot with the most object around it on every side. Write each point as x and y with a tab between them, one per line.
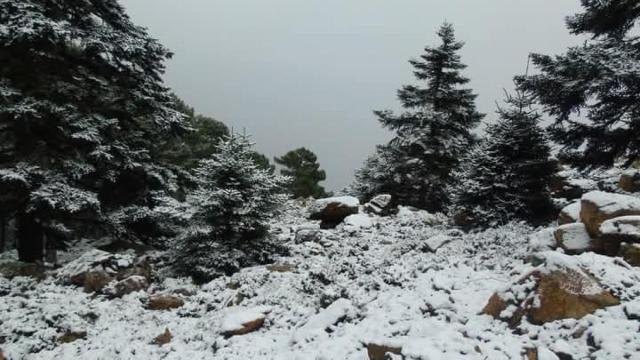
302	166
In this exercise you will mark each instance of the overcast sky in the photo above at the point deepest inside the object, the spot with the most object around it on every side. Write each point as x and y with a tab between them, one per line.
309	72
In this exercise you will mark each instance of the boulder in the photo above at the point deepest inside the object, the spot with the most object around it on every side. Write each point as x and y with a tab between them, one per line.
280	268
164	302
573	238
357	222
331	211
241	321
569	214
2	355
597	206
71	336
621	229
381	351
630	181
381	205
163	338
630	253
95	281
10	269
554	291
127	286
308	235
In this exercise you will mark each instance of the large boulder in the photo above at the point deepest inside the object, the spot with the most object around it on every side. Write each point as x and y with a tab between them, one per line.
573	238
630	181
331	211
569	214
597	206
164	302
554	291
631	253
126	286
622	229
381	205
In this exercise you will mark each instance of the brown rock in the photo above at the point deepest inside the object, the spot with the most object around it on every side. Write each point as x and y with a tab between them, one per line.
331	211
95	281
127	286
248	327
631	254
281	268
630	181
71	336
532	354
379	352
596	207
164	302
2	355
163	338
562	294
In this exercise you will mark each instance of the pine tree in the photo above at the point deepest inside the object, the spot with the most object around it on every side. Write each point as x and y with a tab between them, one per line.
302	166
81	102
592	90
507	176
434	131
374	177
233	204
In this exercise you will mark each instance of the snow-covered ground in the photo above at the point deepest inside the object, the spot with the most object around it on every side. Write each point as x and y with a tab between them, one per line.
368	282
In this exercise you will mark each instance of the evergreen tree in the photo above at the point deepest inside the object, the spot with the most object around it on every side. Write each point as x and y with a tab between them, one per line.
434	131
374	177
233	204
81	102
507	176
592	89
302	166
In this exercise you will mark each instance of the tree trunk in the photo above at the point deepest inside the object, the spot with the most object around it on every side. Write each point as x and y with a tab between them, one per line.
30	239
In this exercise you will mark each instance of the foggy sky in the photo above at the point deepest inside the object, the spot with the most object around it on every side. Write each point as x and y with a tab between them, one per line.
309	72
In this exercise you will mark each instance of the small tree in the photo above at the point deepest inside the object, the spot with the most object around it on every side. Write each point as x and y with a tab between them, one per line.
233	205
302	166
507	176
592	89
434	131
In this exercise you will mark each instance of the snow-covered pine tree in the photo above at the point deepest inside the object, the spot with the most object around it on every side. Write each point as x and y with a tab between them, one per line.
592	89
81	102
507	175
233	204
374	177
434	131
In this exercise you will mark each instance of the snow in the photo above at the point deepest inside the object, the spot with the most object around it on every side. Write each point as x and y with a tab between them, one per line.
623	225
572	211
377	285
357	221
610	203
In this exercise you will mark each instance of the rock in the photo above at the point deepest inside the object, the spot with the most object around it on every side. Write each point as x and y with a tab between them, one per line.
331	211
336	312
2	355
597	206
569	214
543	240
281	268
357	221
163	338
630	181
10	269
95	281
127	286
71	336
631	253
308	235
241	321
164	302
554	291
621	229
381	205
573	238
435	242
379	352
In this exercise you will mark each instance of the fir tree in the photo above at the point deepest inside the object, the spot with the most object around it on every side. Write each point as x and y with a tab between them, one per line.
303	168
507	176
375	176
81	102
434	132
592	89
233	204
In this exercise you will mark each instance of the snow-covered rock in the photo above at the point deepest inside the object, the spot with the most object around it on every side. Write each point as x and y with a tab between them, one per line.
630	253
331	211
623	228
543	240
357	221
598	206
241	321
381	205
324	319
569	214
573	238
558	289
